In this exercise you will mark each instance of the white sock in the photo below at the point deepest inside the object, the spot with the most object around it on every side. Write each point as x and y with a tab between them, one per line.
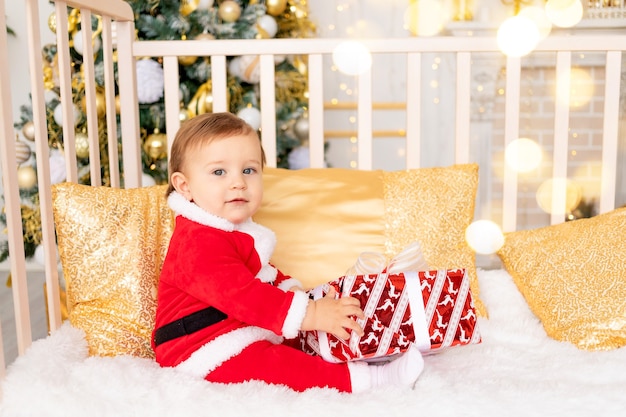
402	371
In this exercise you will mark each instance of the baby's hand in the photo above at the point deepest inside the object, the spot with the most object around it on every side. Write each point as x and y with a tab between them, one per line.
334	315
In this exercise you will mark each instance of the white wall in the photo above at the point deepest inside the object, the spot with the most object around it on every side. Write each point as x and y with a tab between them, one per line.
18	49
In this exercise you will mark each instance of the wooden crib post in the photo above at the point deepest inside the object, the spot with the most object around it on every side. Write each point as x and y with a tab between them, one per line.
43	164
129	111
12	204
610	131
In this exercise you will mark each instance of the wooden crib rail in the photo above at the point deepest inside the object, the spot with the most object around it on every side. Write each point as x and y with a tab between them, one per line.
110	11
414	48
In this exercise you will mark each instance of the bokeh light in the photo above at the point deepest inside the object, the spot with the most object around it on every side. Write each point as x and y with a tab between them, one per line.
573	194
425	17
581	88
517	36
484	237
363	29
564	13
539	17
523	155
352	58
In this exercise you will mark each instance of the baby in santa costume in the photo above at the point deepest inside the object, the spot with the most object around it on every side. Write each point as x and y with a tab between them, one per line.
224	313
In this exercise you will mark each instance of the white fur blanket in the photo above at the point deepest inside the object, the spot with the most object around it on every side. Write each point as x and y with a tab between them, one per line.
516	371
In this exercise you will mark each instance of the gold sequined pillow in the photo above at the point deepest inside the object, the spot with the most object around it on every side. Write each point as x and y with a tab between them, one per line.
112	243
573	276
324	218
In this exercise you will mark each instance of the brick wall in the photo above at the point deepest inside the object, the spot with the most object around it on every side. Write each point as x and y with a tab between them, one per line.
537	111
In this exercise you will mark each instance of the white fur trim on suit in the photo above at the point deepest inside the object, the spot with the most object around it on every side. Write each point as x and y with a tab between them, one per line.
295	315
267	273
264	238
211	355
183	207
288	283
360	376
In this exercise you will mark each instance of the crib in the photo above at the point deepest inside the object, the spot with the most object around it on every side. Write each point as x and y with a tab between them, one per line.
517	369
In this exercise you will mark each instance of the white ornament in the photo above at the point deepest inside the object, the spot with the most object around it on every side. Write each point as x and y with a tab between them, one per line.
268	24
279	59
58	172
58	115
251	115
147	180
204	4
50	95
22	152
234	67
249	69
39	255
78	43
149	81
299	158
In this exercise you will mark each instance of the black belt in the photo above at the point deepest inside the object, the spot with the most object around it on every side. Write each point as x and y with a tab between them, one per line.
188	325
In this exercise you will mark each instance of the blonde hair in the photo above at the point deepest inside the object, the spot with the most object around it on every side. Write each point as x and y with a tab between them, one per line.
201	130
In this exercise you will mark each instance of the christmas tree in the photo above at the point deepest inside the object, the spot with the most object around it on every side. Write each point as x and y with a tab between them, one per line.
170	20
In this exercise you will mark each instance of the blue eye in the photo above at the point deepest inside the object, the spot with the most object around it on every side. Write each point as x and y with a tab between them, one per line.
218	172
249	171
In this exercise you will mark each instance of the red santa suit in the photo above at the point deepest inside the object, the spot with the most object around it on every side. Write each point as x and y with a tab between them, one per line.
212	262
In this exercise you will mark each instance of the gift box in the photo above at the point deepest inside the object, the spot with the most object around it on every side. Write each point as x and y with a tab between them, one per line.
431	309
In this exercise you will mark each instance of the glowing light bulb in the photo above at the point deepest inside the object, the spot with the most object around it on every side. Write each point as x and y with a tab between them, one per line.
564	13
573	194
517	36
539	17
484	237
523	155
581	88
352	58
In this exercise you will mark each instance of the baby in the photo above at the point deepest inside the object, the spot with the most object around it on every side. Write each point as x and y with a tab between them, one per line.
224	313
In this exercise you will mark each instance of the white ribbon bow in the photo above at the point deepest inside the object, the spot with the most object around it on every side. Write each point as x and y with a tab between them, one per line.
410	259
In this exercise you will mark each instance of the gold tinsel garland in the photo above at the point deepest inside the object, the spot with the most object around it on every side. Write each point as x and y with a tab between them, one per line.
31	222
290	85
294	21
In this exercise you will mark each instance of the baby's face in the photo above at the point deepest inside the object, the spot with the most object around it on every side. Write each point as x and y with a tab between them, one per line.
224	177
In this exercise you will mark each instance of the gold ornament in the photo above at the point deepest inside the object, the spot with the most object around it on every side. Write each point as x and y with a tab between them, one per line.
205	36
28	130
101	107
202	101
52	22
187	7
22	152
155	145
229	11
183	115
117	104
82	145
186	60
275	7
26	177
72	20
301	128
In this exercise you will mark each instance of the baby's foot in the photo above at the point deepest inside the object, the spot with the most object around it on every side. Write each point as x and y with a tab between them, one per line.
403	371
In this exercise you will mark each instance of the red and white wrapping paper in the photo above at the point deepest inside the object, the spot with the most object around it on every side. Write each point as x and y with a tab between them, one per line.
432	309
